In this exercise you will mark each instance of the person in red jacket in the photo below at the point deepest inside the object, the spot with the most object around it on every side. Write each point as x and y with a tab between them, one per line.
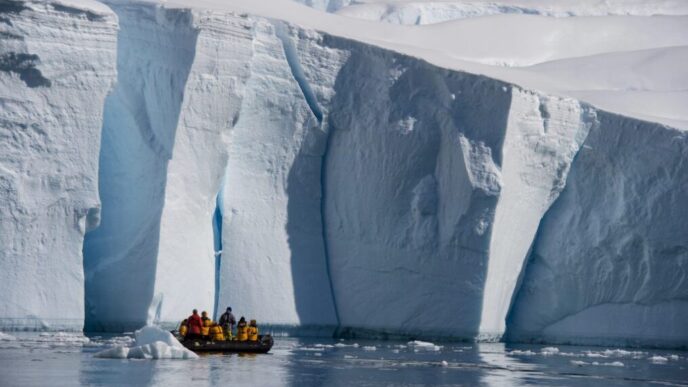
194	323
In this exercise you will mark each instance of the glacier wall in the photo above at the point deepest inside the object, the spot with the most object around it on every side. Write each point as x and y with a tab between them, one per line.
357	188
155	51
273	265
447	177
610	259
185	276
51	108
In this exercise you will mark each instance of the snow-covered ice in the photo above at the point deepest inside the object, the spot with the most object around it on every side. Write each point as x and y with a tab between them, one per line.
430	12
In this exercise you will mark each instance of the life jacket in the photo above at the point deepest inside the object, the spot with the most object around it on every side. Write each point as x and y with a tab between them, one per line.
252	333
216	333
205	329
183	329
242	332
195	324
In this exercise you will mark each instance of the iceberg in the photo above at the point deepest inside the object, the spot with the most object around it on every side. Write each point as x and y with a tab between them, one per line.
320	176
151	342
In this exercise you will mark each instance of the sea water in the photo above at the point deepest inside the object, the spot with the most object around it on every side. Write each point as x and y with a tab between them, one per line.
67	359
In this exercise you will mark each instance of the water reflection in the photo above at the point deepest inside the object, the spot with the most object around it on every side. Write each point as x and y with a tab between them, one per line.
503	369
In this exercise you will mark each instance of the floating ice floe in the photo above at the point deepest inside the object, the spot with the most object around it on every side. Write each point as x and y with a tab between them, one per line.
151	343
622	353
6	337
55	339
126	341
423	346
522	353
581	363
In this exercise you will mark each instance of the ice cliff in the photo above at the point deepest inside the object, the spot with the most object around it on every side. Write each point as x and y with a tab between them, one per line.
610	259
57	64
310	180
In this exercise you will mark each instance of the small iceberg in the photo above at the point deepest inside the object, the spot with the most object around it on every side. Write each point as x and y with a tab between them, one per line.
150	342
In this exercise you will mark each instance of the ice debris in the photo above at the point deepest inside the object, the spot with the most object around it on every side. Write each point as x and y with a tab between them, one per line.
423	346
6	337
151	342
581	363
523	353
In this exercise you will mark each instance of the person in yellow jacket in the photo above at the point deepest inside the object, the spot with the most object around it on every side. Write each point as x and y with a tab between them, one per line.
242	330
207	323
253	331
183	328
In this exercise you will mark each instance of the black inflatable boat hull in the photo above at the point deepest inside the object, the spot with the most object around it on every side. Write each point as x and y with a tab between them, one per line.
263	345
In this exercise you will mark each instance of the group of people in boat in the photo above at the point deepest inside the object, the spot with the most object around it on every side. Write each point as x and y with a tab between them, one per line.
203	327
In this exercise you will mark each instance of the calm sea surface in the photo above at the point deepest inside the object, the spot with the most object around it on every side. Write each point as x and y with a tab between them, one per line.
54	359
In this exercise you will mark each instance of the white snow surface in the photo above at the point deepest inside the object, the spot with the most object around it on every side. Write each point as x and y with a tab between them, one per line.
448	179
485	45
151	342
430	12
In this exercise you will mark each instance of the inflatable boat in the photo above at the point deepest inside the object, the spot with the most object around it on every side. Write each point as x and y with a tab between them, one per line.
263	345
